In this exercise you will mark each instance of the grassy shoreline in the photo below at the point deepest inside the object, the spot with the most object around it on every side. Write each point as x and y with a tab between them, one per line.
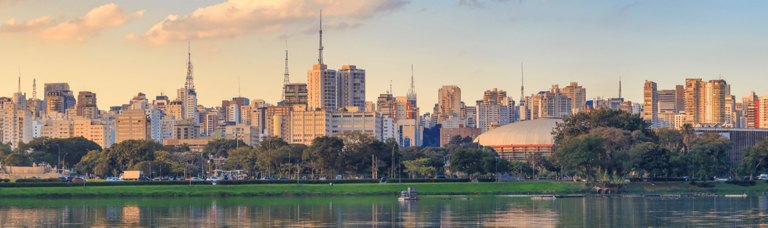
529	187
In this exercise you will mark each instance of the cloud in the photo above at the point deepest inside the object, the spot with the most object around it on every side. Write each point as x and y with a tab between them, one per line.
238	17
76	29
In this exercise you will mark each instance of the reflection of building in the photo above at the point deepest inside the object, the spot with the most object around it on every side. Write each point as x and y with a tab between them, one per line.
521	140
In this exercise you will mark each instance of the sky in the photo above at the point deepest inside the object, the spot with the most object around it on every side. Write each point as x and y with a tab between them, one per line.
120	48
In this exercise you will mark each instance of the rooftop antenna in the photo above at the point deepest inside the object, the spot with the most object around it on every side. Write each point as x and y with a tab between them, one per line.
522	83
412	91
620	86
238	86
19	89
320	50
286	75
34	89
190	84
390	87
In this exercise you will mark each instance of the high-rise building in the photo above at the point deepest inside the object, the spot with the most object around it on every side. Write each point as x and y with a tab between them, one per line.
94	130
58	98
493	110
548	104
650	103
295	93
356	121
680	98
578	96
86	105
751	108
307	125
667	100
351	87
132	125
762	110
188	95
448	102
322	83
694	102
714	101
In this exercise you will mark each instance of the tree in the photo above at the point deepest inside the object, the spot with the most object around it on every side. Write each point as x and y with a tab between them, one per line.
69	151
5	150
471	161
323	155
242	158
418	167
220	147
125	155
708	156
756	158
670	139
616	143
649	158
17	159
584	122
580	155
688	136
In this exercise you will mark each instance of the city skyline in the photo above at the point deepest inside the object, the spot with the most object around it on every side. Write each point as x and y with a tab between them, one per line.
118	59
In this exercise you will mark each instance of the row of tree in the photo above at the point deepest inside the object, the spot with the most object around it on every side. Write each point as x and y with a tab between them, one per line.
350	155
611	144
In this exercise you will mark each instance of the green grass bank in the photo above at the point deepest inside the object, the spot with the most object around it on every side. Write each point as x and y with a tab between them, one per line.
465	188
532	187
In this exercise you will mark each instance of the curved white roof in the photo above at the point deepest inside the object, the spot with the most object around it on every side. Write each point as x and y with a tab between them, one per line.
538	131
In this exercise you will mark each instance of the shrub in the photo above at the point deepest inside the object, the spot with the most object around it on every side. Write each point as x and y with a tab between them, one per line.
741	182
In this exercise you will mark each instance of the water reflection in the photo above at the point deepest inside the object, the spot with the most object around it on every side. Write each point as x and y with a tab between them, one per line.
430	211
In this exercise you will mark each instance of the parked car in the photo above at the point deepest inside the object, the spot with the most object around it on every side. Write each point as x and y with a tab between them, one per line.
267	178
213	179
113	179
78	180
721	179
196	179
763	177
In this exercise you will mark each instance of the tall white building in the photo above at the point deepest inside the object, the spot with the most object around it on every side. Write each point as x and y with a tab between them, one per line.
322	83
188	95
351	87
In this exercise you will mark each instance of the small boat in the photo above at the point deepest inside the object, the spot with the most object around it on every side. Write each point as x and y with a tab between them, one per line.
409	194
545	197
736	195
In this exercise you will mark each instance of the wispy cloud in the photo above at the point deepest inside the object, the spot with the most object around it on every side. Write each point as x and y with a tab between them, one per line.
238	17
76	29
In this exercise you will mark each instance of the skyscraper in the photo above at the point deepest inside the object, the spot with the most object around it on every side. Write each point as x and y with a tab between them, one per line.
694	102
322	82
86	105
578	95
449	102
650	103
351	87
493	110
58	98
188	94
714	101
131	125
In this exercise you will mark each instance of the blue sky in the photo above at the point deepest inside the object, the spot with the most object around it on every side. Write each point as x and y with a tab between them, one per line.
477	45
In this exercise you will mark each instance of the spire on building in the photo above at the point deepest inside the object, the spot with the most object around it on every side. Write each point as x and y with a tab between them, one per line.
34	89
390	87
19	89
190	84
286	75
522	84
412	91
320	50
619	86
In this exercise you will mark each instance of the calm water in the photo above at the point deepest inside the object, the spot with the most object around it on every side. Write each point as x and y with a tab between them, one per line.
430	211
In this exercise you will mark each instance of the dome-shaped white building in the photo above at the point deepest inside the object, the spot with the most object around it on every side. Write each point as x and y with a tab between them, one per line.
521	140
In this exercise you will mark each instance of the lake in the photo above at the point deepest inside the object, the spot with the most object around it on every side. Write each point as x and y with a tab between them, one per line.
385	211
